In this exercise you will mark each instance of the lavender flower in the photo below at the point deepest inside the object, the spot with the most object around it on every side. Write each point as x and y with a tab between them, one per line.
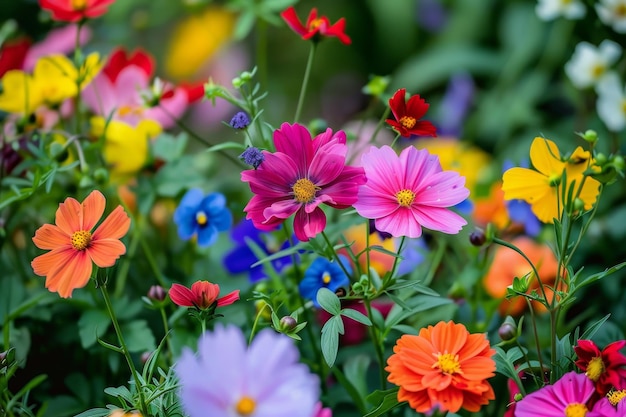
252	156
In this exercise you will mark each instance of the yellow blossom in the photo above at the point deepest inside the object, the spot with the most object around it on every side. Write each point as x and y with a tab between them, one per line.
19	93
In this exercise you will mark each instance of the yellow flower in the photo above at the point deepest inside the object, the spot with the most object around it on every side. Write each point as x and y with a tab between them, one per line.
542	188
469	161
125	146
19	93
196	39
57	78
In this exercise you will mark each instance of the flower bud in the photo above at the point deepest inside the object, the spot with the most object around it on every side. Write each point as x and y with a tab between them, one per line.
601	159
590	136
157	293
287	324
145	357
3	356
518	397
618	162
507	331
240	120
252	156
579	205
477	237
317	126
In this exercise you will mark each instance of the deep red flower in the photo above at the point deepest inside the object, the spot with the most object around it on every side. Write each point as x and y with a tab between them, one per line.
119	60
316	27
202	295
408	115
13	54
605	368
75	10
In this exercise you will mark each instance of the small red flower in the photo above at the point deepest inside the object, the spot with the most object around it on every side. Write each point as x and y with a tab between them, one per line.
119	61
202	295
408	115
316	27
13	54
75	10
605	368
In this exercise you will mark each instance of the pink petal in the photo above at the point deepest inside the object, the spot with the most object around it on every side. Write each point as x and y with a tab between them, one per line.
295	141
439	219
417	167
281	209
228	299
443	189
373	204
100	96
169	109
308	225
182	295
400	223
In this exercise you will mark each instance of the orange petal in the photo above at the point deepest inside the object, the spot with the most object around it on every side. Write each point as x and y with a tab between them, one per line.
449	337
51	237
47	262
67	216
73	272
114	226
104	252
92	210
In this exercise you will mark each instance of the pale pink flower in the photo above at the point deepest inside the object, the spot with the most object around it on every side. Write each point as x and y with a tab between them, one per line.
407	192
302	174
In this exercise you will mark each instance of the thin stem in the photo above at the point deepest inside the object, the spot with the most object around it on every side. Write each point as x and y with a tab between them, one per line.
395	140
377	345
536	335
305	81
166	329
256	321
142	402
335	254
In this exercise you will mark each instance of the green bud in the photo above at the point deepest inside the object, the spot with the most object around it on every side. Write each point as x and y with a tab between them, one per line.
238	82
507	331
518	397
377	86
579	205
590	136
246	76
601	159
101	175
618	162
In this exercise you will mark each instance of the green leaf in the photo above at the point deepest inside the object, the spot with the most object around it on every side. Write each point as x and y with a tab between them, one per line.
120	392
414	285
385	400
167	147
227	145
330	339
599	275
329	301
92	325
356	316
94	412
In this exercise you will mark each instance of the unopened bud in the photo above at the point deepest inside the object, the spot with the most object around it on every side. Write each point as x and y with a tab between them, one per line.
590	136
601	159
579	205
3	356
507	331
317	126
477	237
618	162
145	357
287	323
240	120
518	397
157	293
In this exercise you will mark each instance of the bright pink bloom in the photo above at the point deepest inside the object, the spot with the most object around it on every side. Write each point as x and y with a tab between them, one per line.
604	367
302	174
316	27
408	115
407	192
75	10
202	295
125	89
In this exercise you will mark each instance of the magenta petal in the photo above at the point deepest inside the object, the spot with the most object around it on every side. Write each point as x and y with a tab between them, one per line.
308	225
326	137
295	141
281	209
400	223
325	168
439	219
275	182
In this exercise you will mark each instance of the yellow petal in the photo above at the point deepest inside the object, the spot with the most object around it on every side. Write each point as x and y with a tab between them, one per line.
19	93
55	76
545	157
524	184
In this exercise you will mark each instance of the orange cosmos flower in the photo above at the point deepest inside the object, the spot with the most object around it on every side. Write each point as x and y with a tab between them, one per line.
444	367
73	247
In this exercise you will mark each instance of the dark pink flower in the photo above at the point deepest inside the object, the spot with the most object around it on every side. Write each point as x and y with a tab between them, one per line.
302	174
202	295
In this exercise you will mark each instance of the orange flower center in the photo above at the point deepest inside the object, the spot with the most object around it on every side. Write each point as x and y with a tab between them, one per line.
616	396
407	121
81	239
448	363
245	406
620	10
130	110
576	410
201	218
405	197
595	369
304	190
315	23
79	4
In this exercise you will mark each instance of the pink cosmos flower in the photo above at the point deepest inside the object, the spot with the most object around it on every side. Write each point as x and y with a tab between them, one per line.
302	174
125	89
407	192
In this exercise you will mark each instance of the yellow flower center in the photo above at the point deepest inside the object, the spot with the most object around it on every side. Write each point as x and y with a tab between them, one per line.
448	363
245	406
304	190
576	410
130	110
81	239
405	197
620	10
326	277
201	218
407	121
595	369
597	70
315	23
79	4
616	396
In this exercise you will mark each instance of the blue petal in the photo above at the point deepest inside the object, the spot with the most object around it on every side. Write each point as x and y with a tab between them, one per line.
239	259
207	236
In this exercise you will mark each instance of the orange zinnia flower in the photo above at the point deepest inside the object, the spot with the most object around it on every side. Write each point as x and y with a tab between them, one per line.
73	246
444	367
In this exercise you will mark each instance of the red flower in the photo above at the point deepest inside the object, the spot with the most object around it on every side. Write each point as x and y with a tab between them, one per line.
605	368
75	10
118	61
13	54
202	295
316	27
408	115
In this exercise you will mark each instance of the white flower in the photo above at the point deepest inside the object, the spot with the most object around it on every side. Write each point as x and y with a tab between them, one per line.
589	64
551	9
613	13
611	104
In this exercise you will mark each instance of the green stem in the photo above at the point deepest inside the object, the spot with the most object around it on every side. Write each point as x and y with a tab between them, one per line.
142	402
395	140
305	81
335	254
261	50
166	329
377	345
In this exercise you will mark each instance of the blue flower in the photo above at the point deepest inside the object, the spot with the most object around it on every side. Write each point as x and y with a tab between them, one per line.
324	273
202	215
241	258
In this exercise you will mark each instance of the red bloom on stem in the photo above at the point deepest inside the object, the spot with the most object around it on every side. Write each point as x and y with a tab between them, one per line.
605	368
119	60
408	115
202	295
75	10
316	27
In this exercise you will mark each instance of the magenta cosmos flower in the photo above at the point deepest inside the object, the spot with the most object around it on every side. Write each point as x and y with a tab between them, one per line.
407	192
228	378
568	397
302	174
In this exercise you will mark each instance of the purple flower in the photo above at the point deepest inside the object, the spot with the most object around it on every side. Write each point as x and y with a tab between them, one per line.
240	120
241	258
568	396
252	156
228	378
455	104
